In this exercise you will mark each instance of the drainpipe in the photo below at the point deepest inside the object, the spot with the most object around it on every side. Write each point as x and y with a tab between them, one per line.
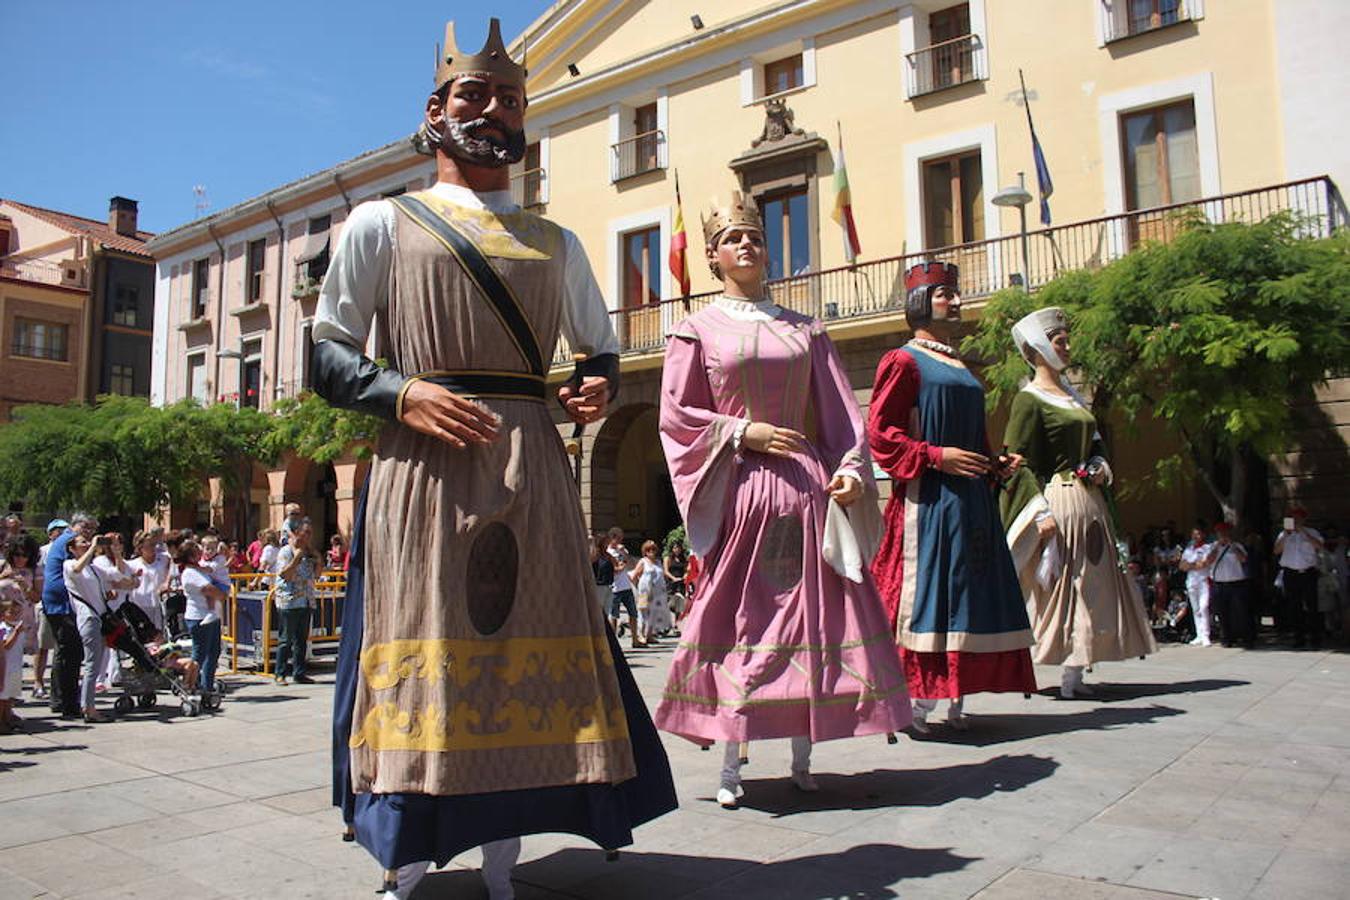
343	191
220	303
281	278
88	385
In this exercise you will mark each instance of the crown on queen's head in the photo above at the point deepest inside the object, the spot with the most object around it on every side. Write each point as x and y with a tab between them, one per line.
740	211
928	273
492	60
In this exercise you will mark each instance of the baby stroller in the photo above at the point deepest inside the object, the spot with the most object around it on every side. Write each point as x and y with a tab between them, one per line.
147	672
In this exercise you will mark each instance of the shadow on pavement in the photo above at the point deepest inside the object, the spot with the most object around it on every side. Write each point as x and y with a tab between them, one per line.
1106	692
884	788
1002	728
866	872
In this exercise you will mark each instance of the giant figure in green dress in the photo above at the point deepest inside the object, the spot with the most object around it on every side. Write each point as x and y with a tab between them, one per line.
1083	608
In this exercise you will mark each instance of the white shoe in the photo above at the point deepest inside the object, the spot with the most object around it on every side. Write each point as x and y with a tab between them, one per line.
729	798
805	781
920	722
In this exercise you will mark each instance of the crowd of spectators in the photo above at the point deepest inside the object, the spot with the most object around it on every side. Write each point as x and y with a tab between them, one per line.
655	590
1214	586
55	599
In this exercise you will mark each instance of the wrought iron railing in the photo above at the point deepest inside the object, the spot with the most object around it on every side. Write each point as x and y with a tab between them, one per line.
527	187
944	65
1126	18
637	155
876	288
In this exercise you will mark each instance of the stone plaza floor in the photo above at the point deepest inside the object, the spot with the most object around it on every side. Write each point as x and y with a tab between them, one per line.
1200	772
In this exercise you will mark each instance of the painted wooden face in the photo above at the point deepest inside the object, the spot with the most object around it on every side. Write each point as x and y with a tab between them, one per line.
740	253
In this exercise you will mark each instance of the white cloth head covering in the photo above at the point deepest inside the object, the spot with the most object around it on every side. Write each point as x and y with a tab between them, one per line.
1034	329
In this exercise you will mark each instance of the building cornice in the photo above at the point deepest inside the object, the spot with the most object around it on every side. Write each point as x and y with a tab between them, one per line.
166	243
697	44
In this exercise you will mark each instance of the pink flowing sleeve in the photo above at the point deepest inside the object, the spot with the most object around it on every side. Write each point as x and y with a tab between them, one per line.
697	440
889	429
840	435
852	535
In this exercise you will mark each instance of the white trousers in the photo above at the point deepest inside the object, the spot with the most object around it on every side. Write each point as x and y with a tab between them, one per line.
731	760
1198	595
499	857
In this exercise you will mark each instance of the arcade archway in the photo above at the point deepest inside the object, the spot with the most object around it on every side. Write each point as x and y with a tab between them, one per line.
630	485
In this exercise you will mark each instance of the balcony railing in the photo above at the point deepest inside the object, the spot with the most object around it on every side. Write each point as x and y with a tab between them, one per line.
945	65
527	188
1127	18
637	155
876	288
44	271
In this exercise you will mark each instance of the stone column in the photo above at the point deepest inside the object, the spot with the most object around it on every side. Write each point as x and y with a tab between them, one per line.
350	473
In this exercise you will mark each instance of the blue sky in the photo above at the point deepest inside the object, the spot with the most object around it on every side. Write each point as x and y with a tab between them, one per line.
146	98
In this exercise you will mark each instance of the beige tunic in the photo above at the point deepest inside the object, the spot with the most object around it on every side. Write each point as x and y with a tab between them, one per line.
484	664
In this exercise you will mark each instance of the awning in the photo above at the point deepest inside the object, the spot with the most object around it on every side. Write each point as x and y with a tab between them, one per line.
314	246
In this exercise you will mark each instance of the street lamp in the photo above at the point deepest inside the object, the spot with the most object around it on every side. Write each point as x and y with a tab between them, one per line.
1017	195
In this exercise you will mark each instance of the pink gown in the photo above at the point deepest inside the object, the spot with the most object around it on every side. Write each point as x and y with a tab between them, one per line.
779	644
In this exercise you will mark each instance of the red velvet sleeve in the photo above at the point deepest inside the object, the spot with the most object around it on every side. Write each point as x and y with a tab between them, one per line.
894	395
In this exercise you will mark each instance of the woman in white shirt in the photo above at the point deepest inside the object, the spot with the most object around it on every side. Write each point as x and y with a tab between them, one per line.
114	574
204	604
267	560
151	570
89	596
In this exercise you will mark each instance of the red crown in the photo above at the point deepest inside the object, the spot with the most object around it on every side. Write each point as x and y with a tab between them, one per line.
928	273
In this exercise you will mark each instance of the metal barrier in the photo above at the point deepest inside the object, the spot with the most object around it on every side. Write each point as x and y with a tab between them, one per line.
250	633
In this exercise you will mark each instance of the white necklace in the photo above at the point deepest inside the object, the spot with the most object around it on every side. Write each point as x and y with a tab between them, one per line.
935	346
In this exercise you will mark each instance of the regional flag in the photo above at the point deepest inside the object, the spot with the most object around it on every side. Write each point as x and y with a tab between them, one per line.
679	264
843	206
1045	186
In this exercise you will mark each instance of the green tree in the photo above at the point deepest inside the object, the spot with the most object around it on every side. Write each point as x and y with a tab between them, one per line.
1214	333
310	428
121	455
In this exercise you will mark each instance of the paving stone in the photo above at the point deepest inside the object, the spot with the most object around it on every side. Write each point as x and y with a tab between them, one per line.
1024	884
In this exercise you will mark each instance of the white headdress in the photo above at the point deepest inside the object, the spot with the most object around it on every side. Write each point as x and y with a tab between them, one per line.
1034	330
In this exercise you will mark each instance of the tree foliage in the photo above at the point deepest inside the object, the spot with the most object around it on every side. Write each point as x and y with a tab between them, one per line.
1214	333
121	455
310	428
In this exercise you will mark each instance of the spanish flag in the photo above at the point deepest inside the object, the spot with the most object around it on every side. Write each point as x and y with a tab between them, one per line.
679	265
843	206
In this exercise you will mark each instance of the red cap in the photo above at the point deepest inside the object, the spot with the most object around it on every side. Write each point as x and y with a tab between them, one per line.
1223	527
1296	510
928	273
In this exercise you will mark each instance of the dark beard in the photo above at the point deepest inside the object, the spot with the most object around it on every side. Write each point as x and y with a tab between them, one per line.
459	139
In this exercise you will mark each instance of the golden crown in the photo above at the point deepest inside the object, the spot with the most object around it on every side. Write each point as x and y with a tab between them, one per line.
741	210
492	60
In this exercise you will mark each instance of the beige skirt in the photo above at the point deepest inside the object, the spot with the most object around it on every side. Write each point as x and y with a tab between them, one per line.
1092	613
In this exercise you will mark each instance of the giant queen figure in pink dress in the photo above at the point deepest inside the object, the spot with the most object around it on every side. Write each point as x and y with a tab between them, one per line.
768	455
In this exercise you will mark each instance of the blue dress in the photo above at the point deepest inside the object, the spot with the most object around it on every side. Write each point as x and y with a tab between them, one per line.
944	566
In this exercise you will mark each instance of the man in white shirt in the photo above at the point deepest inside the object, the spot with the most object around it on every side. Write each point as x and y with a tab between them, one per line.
1230	598
1193	563
1297	548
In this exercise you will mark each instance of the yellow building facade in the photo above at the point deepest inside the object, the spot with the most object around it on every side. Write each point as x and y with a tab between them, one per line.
1139	105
